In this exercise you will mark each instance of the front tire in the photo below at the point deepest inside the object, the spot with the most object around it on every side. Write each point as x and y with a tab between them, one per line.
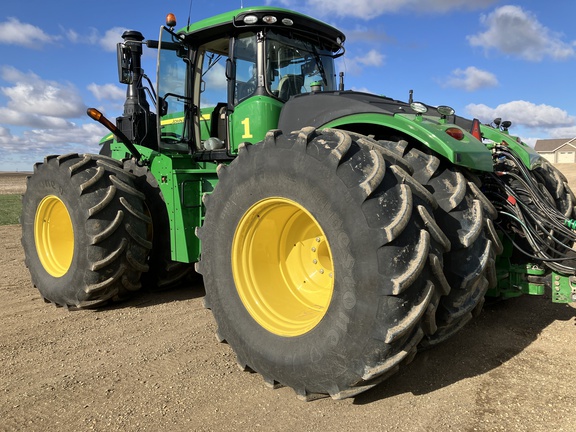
315	260
83	230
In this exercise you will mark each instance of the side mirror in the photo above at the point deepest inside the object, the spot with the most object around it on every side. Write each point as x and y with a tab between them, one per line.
497	121
506	124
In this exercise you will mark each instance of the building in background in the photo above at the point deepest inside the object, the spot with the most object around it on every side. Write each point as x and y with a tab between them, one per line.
557	150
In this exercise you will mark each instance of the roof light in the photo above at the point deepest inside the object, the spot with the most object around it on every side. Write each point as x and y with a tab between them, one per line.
445	110
170	20
269	19
287	21
455	133
419	107
250	19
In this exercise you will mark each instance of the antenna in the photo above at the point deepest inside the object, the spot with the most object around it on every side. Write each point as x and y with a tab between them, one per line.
189	13
241	4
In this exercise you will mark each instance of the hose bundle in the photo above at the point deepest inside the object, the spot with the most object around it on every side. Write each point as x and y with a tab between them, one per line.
527	209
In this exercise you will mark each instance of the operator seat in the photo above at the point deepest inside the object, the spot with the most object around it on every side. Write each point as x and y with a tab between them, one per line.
218	122
290	85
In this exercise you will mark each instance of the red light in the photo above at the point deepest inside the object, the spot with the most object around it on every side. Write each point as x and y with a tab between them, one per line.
476	129
455	133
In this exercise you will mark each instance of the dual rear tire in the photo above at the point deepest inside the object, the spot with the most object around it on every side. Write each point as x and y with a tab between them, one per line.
316	252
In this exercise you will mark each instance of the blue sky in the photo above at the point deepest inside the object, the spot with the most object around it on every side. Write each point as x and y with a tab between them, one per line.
485	58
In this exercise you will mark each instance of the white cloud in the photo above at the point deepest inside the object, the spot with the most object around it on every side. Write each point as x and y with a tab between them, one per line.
34	144
564	132
108	41
371	58
18	118
32	95
14	32
471	79
216	77
355	65
109	92
523	113
514	31
111	38
369	9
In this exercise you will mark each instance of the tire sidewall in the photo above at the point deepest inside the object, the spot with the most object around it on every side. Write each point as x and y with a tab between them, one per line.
330	203
45	183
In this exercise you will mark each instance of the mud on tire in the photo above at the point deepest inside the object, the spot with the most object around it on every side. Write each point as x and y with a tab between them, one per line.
316	261
465	215
84	230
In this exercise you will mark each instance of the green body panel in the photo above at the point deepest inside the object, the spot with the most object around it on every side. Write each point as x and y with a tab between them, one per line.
252	119
563	288
430	131
529	157
513	280
183	181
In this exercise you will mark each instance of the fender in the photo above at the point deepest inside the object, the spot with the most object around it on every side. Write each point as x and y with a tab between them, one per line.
384	118
529	157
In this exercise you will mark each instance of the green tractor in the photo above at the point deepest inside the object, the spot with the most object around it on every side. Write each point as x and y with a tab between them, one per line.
337	232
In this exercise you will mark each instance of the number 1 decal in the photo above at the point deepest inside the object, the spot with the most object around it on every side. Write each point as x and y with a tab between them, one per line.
246	124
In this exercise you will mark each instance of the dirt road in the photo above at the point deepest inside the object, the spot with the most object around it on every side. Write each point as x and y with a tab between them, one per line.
153	364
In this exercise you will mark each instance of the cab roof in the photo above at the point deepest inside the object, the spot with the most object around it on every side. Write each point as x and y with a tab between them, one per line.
234	21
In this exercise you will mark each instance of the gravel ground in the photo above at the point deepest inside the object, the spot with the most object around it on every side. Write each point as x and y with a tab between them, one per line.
153	364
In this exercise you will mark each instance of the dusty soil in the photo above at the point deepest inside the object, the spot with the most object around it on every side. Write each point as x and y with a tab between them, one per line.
153	364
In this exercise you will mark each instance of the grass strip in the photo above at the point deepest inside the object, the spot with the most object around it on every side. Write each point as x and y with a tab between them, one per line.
10	208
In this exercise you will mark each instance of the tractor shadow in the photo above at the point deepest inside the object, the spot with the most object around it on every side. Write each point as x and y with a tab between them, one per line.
187	290
502	331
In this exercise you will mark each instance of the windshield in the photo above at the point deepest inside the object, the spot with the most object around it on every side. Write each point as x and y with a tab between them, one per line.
297	66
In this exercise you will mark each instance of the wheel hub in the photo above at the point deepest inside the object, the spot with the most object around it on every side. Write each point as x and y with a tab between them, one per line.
54	236
282	267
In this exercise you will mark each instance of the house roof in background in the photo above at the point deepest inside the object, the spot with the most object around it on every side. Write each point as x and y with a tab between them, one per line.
551	145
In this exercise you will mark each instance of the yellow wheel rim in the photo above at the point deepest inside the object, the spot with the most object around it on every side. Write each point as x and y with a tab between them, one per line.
54	236
282	267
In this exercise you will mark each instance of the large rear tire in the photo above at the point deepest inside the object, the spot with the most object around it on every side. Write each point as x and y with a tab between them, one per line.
84	230
465	215
316	262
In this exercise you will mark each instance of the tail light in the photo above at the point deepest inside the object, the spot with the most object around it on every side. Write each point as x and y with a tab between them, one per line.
455	133
476	129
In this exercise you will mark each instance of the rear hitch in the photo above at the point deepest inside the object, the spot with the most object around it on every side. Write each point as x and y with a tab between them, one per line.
516	280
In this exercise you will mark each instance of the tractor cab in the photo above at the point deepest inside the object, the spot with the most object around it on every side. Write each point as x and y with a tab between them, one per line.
224	84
